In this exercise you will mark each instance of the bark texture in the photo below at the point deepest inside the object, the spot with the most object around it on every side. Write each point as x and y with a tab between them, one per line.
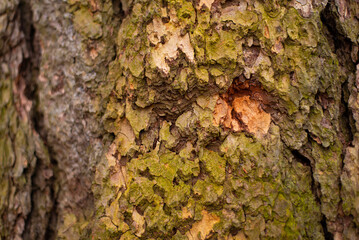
178	119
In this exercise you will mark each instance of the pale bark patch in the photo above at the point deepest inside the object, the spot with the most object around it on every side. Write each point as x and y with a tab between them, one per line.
202	229
23	105
304	6
111	159
138	222
168	41
239	236
207	3
186	213
118	176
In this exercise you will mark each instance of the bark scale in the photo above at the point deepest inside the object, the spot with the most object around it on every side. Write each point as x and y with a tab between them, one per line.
179	119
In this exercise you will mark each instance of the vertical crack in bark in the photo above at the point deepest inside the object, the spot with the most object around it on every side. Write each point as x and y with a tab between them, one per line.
118	9
342	47
300	157
347	120
327	235
29	68
39	220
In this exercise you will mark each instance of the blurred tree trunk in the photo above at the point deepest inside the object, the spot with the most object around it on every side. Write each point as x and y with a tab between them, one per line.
179	119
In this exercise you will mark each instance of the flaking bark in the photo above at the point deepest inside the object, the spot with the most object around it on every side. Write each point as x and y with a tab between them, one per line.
177	119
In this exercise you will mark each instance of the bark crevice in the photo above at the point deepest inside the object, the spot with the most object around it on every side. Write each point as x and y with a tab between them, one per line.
315	187
342	48
38	224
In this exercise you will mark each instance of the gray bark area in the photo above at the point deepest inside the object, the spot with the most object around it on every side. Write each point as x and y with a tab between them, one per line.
128	119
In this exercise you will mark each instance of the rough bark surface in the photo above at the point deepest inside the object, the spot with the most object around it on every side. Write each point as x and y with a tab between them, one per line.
178	119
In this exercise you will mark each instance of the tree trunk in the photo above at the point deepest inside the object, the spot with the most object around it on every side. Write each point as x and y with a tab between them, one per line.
179	119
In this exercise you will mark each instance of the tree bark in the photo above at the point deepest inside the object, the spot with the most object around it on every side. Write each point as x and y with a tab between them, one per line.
179	119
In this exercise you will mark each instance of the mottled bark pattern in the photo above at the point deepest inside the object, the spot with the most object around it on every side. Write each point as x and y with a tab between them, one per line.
179	119
22	153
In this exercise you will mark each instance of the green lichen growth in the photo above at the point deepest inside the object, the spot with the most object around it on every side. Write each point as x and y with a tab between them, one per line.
138	118
221	48
165	135
240	18
20	150
209	192
182	160
202	75
215	165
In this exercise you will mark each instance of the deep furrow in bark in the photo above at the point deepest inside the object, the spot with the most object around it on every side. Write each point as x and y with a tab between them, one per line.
315	189
341	47
44	176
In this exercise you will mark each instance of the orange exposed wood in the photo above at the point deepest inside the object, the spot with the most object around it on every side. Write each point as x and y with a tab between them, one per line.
242	108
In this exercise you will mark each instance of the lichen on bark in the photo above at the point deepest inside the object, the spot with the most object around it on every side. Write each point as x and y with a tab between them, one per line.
187	65
180	119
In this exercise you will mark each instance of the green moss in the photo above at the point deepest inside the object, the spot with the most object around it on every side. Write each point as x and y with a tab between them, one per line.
316	118
275	229
254	227
178	194
186	13
140	190
221	48
7	153
215	72
247	147
282	208
204	116
207	102
179	236
139	118
185	121
4	188
156	218
241	18
214	164
327	171
202	75
165	135
190	169
136	65
128	236
251	184
291	229
164	170
180	81
209	192
114	109
300	29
